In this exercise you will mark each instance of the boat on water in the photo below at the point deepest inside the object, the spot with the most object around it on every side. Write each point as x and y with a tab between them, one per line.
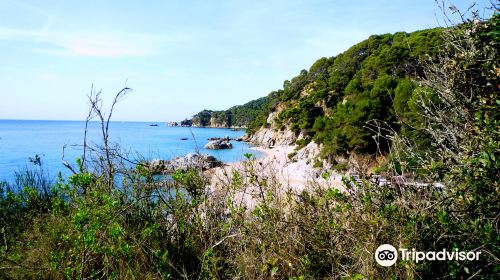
153	124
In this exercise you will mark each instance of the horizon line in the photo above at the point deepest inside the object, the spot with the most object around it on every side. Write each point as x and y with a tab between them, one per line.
82	120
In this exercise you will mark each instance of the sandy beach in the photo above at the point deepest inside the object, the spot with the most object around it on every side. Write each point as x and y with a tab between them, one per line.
273	166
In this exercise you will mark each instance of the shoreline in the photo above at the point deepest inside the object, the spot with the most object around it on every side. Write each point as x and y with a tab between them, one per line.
274	166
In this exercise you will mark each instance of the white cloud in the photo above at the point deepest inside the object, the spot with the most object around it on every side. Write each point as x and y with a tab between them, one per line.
94	44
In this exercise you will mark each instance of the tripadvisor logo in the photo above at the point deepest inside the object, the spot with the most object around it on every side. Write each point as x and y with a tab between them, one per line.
387	255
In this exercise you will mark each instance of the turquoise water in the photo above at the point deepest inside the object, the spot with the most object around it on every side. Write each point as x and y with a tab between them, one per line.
22	139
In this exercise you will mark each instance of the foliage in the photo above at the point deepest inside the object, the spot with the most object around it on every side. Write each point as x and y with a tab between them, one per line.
460	109
114	222
332	102
236	116
186	122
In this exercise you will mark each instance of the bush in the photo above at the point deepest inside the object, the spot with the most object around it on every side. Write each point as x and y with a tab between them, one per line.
109	221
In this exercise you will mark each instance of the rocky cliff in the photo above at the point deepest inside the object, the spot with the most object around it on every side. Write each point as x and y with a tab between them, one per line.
239	116
268	137
337	101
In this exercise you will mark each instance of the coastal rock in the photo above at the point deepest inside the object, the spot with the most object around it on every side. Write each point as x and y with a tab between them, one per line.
190	161
225	138
214	122
310	151
268	137
219	144
270	117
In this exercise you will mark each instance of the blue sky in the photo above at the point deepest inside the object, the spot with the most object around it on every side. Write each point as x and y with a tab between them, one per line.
179	57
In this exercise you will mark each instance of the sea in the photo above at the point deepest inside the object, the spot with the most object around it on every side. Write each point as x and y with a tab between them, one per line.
23	141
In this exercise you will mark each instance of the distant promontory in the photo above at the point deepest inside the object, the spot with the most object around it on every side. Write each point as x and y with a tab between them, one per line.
239	116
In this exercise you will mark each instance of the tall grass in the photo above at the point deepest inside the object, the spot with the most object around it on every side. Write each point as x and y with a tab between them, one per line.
96	225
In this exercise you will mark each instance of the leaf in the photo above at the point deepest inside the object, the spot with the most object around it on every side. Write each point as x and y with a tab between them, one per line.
274	270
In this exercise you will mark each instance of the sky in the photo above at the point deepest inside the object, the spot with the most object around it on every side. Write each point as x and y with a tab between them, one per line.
179	57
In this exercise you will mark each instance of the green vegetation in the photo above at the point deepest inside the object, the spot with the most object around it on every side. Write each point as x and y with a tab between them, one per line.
237	116
109	221
186	122
333	101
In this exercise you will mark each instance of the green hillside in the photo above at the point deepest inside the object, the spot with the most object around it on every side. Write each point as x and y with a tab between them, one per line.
115	218
332	102
236	116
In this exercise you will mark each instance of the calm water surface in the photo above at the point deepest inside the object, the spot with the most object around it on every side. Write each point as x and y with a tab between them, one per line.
22	139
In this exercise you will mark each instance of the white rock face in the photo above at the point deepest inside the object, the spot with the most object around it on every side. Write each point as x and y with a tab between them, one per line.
270	118
219	144
269	138
308	152
190	161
